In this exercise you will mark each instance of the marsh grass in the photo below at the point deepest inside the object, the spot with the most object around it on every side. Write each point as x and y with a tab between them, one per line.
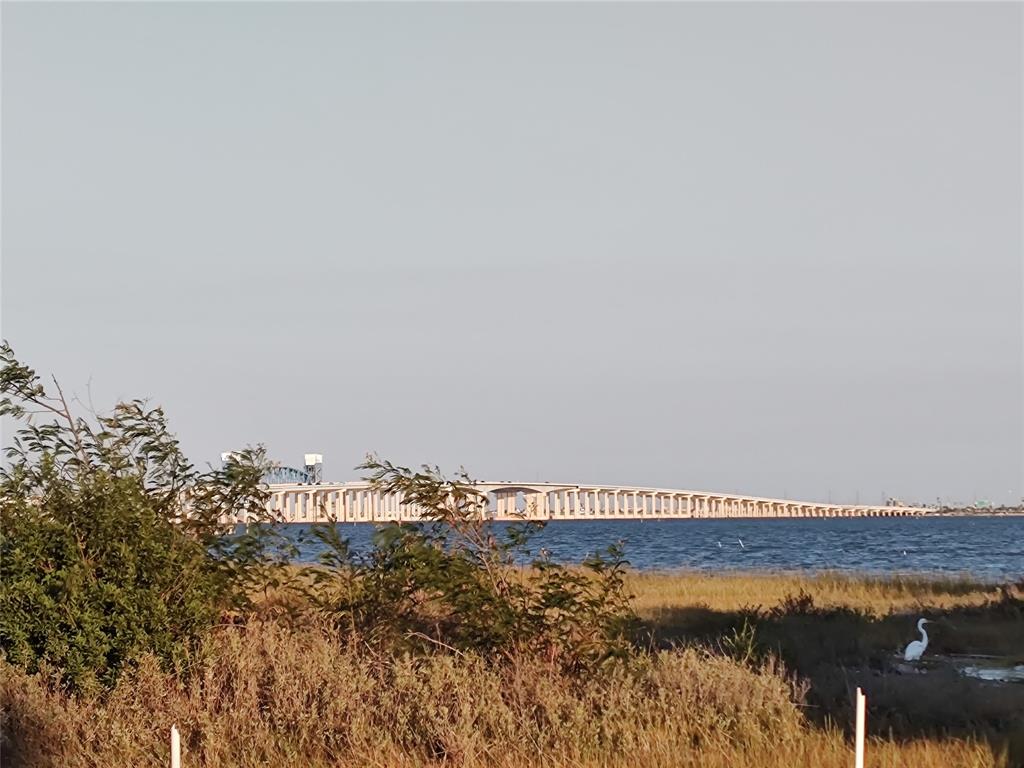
876	595
837	632
265	695
281	692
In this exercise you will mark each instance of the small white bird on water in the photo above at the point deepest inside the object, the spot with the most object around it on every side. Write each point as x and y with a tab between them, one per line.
916	648
741	543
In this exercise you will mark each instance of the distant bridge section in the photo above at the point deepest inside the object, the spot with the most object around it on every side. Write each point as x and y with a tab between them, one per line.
287	476
358	502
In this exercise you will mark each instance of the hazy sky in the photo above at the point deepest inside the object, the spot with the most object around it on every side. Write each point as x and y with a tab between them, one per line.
769	248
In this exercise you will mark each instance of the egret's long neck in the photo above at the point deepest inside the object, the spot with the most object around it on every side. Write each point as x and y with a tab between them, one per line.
924	635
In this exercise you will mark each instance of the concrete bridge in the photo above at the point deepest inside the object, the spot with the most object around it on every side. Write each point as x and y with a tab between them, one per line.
357	502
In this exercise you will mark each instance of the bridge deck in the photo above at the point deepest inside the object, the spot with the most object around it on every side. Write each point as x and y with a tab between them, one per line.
359	502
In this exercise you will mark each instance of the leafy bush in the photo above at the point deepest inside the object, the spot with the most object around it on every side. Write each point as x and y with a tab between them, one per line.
802	605
111	543
455	581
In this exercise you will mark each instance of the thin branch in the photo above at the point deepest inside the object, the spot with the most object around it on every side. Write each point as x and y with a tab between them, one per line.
435	642
79	447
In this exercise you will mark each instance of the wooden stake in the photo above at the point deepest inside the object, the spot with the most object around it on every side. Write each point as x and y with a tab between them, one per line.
175	747
862	701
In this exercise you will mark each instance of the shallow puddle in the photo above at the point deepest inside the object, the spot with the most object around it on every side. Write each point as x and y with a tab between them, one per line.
994	669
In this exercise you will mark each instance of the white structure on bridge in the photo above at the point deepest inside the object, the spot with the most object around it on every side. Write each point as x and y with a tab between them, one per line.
358	502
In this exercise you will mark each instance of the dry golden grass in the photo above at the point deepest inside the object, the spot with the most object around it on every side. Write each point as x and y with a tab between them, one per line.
879	596
267	696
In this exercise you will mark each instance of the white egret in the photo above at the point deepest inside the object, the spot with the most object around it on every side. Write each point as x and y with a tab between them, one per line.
916	648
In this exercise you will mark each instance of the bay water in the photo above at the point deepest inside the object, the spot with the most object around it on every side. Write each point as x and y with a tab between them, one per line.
989	548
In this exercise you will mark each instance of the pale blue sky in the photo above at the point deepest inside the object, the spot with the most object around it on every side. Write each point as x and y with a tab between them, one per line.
770	248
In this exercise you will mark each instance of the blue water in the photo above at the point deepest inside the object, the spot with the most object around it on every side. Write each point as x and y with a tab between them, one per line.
990	548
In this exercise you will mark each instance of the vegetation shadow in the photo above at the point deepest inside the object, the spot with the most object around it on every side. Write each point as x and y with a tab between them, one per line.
834	650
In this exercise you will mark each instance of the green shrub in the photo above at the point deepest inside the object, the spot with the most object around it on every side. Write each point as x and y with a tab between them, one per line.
455	581
111	544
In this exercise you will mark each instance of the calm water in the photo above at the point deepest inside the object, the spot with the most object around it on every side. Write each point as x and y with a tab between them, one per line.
990	548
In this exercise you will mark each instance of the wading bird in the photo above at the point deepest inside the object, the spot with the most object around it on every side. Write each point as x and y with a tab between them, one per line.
916	648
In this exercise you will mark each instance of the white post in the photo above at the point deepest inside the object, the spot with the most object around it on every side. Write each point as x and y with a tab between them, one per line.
861	704
175	747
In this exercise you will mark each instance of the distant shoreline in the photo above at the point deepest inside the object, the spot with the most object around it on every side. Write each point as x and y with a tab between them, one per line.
974	512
